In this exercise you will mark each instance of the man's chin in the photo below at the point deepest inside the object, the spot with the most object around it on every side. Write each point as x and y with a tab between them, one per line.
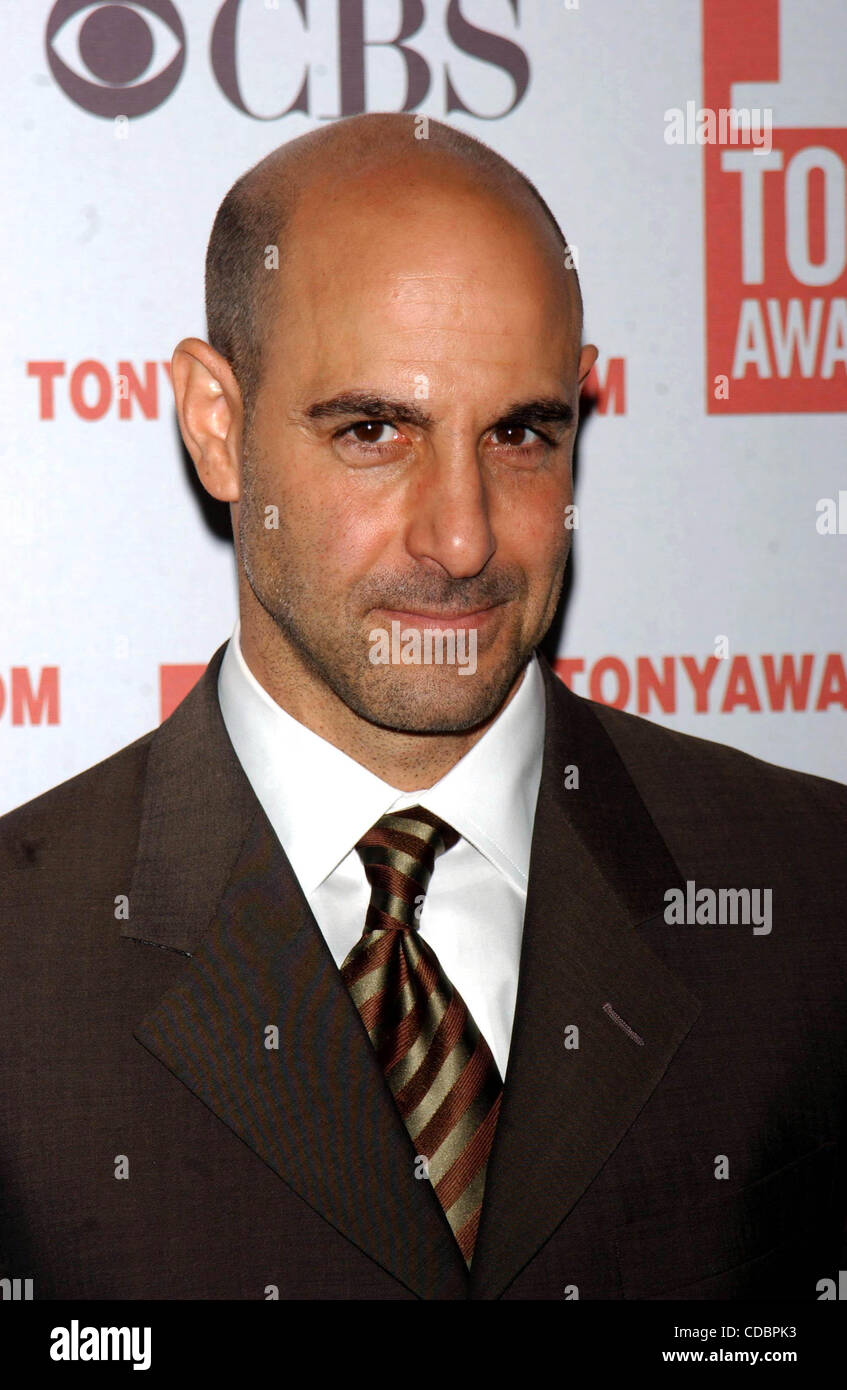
427	700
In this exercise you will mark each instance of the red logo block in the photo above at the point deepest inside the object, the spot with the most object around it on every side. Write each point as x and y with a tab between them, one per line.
174	684
776	247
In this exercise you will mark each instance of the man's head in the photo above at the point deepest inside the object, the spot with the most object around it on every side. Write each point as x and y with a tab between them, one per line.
252	225
390	408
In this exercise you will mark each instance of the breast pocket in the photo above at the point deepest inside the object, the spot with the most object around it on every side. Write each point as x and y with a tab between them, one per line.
762	1240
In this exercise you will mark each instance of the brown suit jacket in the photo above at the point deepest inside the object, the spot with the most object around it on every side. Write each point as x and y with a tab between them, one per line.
153	1146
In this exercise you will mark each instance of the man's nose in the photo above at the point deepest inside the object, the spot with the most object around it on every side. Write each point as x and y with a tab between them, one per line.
449	512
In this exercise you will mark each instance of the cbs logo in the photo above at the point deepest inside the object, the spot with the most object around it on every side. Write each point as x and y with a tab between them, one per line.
125	59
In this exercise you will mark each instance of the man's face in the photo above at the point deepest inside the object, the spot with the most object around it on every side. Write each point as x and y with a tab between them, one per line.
415	318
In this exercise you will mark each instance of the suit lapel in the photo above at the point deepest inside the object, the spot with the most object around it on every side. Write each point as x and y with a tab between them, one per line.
598	868
213	882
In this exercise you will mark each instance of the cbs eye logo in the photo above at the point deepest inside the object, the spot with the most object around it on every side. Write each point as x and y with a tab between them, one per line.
122	48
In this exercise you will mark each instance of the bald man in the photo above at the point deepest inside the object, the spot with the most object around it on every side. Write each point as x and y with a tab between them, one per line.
387	967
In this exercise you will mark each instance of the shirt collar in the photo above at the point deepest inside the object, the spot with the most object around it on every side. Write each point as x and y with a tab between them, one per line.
320	801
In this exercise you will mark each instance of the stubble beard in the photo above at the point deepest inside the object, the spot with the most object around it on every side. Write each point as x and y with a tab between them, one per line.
335	651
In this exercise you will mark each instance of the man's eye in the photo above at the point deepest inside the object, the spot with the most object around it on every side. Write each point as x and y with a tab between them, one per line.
516	436
369	431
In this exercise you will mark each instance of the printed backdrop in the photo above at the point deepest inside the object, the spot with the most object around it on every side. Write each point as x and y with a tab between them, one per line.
710	561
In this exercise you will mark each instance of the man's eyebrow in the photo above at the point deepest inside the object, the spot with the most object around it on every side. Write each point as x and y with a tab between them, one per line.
551	410
545	410
369	405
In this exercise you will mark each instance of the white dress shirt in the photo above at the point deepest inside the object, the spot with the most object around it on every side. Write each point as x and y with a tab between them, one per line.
320	802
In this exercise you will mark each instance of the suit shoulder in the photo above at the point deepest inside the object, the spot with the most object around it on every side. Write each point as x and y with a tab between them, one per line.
688	766
102	803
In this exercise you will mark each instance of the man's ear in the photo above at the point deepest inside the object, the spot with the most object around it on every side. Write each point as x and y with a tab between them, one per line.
587	358
210	413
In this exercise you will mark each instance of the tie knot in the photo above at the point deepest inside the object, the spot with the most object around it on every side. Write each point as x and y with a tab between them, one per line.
399	855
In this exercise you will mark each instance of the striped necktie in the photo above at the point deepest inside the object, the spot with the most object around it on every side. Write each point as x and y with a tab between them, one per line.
437	1063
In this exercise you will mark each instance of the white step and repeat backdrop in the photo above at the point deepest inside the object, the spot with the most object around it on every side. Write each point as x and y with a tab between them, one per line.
708	588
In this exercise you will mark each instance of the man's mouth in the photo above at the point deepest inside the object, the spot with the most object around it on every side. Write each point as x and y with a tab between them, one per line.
442	618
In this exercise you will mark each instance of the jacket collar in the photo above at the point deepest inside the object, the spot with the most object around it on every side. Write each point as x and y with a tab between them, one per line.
599	869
